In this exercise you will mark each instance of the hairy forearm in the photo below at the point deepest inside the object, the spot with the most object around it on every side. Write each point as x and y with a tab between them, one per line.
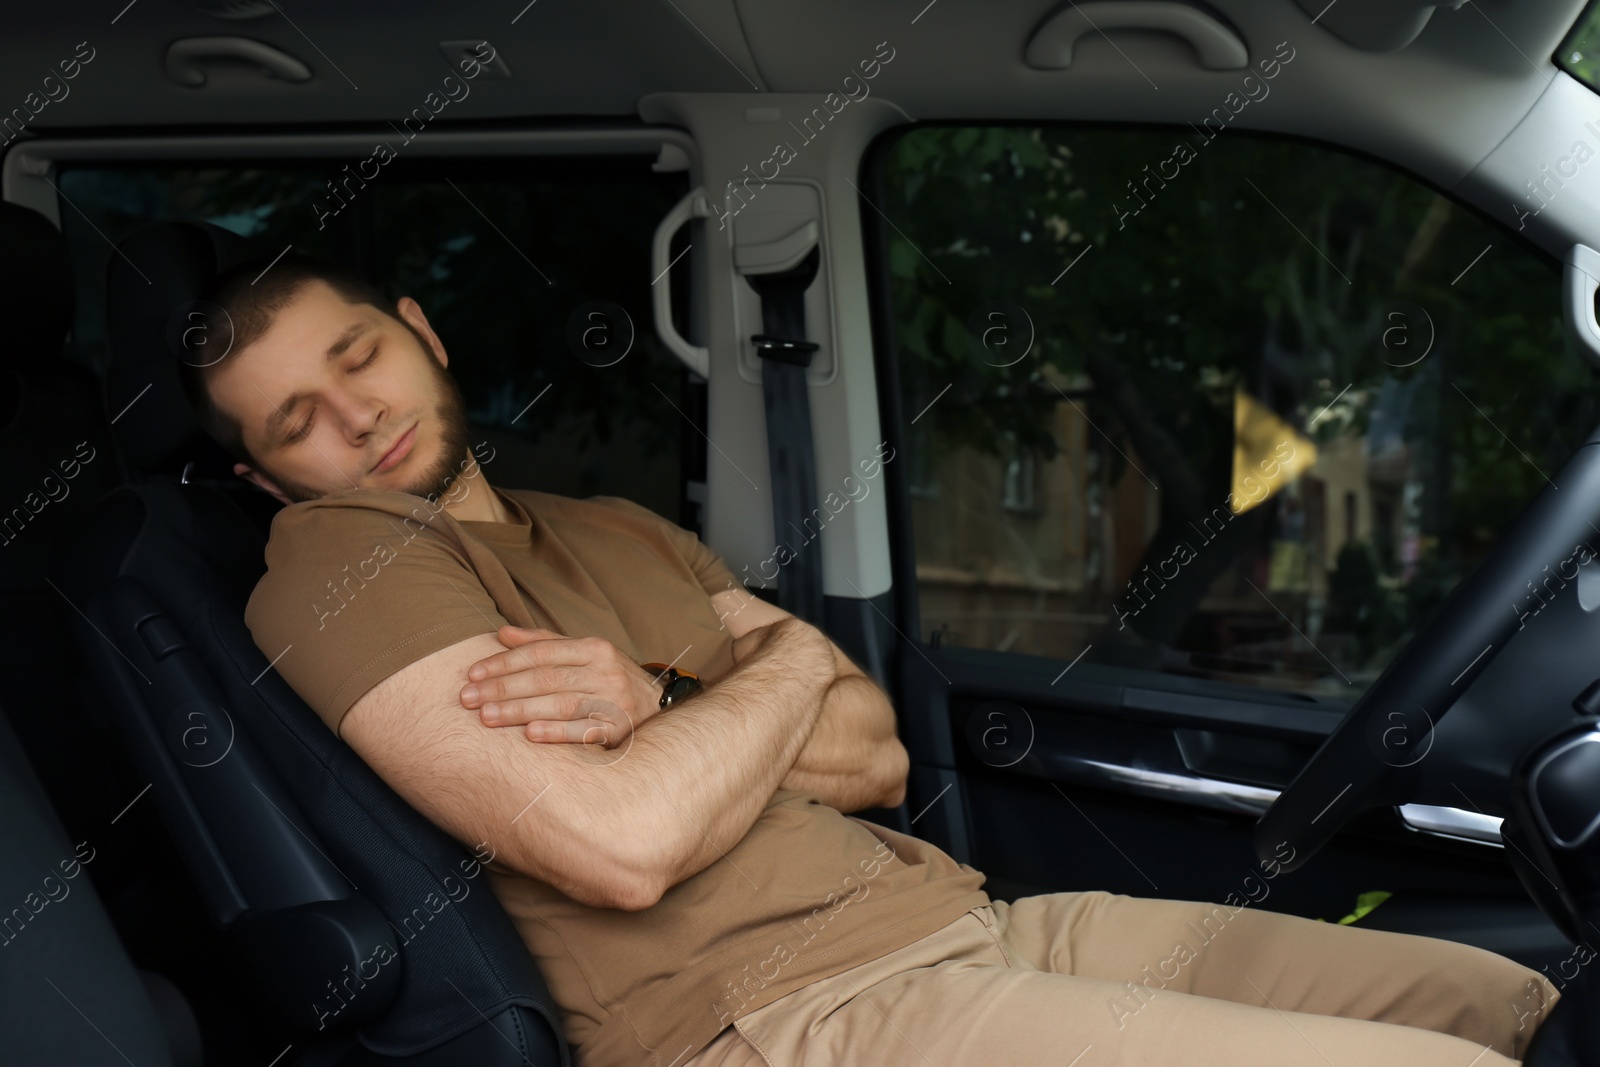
710	766
853	759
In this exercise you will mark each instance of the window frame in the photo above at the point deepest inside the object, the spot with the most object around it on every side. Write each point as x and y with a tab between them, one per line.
31	164
1587	23
893	416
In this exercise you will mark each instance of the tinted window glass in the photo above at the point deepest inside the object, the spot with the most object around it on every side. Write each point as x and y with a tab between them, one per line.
1579	54
1212	404
536	278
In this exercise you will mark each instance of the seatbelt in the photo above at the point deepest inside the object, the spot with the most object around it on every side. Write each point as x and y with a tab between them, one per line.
786	354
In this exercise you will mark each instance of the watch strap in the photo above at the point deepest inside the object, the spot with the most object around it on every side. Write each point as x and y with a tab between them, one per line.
675	684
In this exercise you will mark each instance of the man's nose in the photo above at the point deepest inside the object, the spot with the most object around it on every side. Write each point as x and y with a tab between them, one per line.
361	415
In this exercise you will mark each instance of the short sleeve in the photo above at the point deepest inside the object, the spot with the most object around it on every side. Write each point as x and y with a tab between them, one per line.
710	571
353	595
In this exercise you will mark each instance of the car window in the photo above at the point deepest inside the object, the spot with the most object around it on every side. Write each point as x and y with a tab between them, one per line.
535	275
1579	53
1213	404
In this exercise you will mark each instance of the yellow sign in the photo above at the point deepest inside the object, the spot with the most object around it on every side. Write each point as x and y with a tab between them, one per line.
1268	453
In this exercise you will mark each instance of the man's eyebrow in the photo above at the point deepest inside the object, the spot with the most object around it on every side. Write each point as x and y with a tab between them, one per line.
341	344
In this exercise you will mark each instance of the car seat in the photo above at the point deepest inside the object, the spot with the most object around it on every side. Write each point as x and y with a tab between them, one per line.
69	992
58	460
300	851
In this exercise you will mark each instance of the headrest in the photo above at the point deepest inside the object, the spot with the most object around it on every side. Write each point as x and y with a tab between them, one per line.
35	288
158	270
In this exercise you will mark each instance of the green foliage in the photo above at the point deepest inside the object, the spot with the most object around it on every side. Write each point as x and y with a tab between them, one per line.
1363	603
1269	263
1579	54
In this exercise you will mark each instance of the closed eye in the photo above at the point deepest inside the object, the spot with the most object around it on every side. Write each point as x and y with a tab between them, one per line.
300	434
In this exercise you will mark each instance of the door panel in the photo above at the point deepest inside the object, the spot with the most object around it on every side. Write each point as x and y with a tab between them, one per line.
1184	468
1150	793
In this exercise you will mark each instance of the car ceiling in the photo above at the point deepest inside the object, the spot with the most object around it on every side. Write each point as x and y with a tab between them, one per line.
1437	105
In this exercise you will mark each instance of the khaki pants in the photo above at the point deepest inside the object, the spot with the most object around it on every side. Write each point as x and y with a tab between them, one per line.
1097	979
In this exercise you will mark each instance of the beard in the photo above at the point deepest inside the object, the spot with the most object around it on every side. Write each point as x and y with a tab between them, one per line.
450	416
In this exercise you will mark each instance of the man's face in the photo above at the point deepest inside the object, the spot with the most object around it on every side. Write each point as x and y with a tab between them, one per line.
317	423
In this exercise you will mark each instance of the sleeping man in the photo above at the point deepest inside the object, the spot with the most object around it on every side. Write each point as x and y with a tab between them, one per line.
677	858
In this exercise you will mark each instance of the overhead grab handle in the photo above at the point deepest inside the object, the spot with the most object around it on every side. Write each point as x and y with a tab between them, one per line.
1581	275
1217	45
186	59
694	205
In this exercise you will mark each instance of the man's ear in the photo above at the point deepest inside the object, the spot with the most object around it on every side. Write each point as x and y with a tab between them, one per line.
411	311
261	481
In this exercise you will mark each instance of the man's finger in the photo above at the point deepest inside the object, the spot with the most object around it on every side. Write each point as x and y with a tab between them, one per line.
522	635
549	682
576	732
517	711
546	648
602	723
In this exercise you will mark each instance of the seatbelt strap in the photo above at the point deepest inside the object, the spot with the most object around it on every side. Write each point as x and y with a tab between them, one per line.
785	355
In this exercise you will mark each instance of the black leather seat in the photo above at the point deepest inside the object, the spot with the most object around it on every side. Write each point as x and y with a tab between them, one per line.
58	460
69	993
298	848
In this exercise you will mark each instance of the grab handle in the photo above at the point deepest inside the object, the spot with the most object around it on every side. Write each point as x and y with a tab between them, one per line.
1581	278
1217	45
185	59
694	205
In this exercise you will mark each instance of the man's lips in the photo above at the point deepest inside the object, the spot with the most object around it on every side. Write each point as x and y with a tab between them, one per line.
401	449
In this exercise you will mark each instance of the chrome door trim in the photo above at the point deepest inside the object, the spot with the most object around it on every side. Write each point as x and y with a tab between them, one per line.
1201	791
1185	788
1453	822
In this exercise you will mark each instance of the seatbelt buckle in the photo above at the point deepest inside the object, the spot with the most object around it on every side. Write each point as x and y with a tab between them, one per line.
783	349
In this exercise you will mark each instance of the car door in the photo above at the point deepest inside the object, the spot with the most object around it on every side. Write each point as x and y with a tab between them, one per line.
1194	428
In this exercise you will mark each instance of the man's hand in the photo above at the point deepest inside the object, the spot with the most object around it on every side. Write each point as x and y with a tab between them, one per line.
563	689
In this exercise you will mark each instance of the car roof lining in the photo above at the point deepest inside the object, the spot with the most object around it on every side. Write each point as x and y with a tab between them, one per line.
1438	106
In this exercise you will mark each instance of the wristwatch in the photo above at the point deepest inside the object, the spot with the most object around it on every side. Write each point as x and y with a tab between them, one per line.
675	684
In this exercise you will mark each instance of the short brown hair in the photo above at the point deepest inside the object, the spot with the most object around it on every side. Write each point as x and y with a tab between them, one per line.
236	310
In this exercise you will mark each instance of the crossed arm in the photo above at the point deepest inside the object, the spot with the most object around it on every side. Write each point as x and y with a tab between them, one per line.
574	693
614	827
853	759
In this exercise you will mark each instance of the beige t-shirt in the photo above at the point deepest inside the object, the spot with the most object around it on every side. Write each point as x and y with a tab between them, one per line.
364	582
